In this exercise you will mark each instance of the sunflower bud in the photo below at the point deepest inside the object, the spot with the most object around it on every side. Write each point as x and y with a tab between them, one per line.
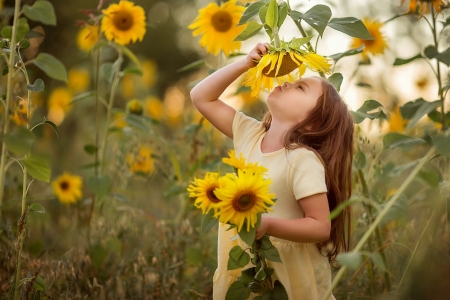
135	107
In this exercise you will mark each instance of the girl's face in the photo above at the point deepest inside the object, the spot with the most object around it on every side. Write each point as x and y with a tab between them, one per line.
292	102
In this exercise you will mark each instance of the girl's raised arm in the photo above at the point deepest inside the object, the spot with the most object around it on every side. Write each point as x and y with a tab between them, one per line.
205	95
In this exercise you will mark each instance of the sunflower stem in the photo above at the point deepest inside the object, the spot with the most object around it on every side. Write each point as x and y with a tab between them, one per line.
380	217
8	99
276	37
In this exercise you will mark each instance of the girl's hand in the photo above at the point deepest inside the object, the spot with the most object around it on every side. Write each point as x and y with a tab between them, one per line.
261	231
255	54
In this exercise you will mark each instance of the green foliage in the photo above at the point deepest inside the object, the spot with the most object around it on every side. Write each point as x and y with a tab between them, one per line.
36	207
336	80
271	18
252	29
352	27
350	260
247	236
317	17
363	112
401	61
442	143
20	141
37	168
208	222
238	291
100	185
38	85
251	11
22	29
41	11
238	258
398	140
51	66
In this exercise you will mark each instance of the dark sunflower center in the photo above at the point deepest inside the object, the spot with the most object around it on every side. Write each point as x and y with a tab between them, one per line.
211	196
222	21
287	66
244	202
123	20
64	185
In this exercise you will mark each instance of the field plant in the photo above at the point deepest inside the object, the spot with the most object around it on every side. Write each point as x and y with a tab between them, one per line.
100	158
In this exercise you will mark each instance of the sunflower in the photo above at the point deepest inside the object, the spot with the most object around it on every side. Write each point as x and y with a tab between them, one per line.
87	37
218	26
424	6
123	22
280	62
153	108
60	97
238	163
79	79
396	121
67	188
375	46
243	197
119	120
20	114
204	192
143	162
135	107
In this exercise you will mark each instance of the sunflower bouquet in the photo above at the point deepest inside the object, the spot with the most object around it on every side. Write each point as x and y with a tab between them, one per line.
239	199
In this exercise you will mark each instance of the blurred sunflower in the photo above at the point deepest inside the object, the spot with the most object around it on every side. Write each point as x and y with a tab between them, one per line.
79	79
424	5
242	197
375	46
396	121
67	188
150	71
124	23
59	105
87	37
135	107
143	162
278	63
20	114
203	191
218	27
119	120
153	108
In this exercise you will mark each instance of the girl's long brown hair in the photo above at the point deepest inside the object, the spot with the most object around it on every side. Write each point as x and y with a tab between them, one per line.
328	131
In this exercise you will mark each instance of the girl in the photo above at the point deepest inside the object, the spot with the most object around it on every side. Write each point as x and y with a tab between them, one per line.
306	143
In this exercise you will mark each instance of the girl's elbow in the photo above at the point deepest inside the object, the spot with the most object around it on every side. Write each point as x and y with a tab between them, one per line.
325	233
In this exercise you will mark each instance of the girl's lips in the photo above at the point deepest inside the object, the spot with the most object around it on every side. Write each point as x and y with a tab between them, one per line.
279	88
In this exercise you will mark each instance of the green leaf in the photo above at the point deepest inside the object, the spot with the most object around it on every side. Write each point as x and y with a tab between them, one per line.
410	108
296	15
36	207
120	197
298	42
38	85
129	54
41	11
90	149
255	287
350	52
378	261
363	112
37	168
55	128
208	221
424	109
193	66
22	29
261	274
6	32
51	66
436	116
431	177
82	96
430	51
238	258
351	260
272	14
263	13
442	143
278	292
398	211
24	44
136	122
132	70
247	236
238	291
107	72
398	140
251	11
19	141
317	17
248	275
39	284
359	160
444	57
5	70
271	254
352	27
97	254
336	80
100	186
252	29
282	13
401	61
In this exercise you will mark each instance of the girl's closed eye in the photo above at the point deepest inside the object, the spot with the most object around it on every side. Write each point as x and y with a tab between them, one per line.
300	87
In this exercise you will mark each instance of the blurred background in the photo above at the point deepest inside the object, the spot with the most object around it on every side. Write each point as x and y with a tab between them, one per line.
143	240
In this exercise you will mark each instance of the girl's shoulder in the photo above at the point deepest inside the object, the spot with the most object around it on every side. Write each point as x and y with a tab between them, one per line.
304	155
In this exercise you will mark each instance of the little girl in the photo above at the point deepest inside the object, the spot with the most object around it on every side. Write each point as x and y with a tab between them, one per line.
306	143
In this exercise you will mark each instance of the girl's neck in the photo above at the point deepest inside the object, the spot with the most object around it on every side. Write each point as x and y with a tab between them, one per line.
273	139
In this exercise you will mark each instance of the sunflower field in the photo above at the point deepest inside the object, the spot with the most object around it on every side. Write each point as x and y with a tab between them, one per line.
107	167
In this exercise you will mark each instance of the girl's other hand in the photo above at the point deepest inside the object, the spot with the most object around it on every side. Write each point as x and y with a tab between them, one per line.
255	54
261	231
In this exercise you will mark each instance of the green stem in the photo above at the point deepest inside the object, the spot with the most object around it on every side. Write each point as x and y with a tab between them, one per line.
378	236
21	235
438	71
380	217
8	99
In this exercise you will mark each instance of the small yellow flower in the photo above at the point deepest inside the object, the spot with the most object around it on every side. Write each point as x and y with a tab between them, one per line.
20	114
143	162
243	197
238	163
124	23
60	97
87	37
396	121
67	188
425	5
375	46
79	79
153	108
203	192
135	107
217	25
150	73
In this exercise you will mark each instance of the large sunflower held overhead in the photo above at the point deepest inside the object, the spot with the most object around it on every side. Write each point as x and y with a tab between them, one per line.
218	27
67	188
203	191
243	197
425	5
124	22
375	46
